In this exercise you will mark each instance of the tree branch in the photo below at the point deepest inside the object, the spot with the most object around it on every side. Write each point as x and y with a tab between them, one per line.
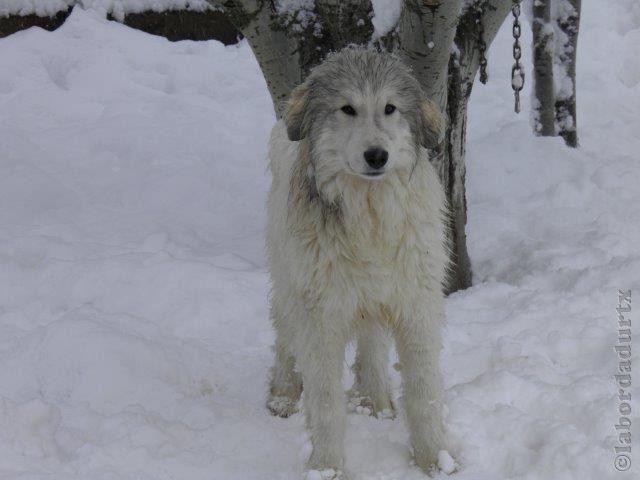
466	38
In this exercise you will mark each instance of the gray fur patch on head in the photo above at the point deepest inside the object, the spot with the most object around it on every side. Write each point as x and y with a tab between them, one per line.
361	69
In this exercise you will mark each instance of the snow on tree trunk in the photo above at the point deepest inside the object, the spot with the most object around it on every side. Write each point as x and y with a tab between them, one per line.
567	15
544	108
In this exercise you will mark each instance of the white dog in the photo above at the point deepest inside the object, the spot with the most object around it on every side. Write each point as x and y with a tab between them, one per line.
356	242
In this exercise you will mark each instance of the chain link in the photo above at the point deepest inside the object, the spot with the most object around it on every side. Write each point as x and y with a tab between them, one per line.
517	73
478	8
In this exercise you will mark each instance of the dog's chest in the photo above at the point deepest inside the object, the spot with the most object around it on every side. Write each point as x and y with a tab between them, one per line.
379	244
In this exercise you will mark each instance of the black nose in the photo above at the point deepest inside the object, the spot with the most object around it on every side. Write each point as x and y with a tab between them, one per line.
376	157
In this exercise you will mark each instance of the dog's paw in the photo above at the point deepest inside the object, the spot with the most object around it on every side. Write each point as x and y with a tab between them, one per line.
364	405
282	407
446	463
327	474
432	462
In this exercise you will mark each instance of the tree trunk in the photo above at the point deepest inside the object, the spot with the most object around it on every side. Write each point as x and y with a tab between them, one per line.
288	44
459	91
425	38
276	53
426	31
462	69
568	24
544	115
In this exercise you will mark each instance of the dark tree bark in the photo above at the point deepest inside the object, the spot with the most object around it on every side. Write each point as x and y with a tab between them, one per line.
172	24
185	25
568	23
15	23
544	108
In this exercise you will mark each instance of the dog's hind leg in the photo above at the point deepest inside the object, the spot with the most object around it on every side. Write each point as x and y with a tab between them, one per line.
371	392
286	384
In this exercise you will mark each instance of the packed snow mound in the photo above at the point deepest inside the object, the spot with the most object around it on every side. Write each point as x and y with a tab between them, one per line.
134	333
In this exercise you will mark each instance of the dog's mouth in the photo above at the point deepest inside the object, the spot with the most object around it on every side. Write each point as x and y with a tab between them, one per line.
372	174
369	174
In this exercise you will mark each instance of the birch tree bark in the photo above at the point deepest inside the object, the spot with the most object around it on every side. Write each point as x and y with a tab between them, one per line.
544	108
425	36
568	25
287	44
428	33
276	52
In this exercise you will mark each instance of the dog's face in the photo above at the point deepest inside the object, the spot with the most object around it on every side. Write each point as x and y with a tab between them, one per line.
363	114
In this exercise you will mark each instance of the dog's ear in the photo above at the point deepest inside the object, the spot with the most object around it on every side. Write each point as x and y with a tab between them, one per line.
433	127
296	109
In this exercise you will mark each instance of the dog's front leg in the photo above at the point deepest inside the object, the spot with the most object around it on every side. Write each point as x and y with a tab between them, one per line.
371	388
418	344
320	356
286	384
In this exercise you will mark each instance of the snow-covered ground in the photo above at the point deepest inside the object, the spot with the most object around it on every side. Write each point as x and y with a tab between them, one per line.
134	339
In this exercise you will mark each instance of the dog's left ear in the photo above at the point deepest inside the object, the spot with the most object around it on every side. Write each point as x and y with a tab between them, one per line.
433	127
296	109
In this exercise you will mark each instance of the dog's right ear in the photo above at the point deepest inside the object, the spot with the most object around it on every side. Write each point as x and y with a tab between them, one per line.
433	128
296	110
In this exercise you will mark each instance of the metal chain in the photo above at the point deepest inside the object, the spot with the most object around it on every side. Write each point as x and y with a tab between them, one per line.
478	7
517	73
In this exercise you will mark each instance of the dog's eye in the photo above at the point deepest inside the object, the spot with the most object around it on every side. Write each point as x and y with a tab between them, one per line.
349	110
389	109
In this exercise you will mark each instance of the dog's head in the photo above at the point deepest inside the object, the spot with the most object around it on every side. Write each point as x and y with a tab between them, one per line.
363	113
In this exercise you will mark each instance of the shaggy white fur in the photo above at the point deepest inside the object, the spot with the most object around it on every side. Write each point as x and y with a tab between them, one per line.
351	257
